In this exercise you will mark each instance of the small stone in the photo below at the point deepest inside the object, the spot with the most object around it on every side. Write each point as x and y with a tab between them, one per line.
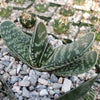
5	98
38	73
51	92
32	73
13	72
14	79
43	92
45	75
23	72
43	81
74	79
33	80
34	93
56	96
26	93
24	67
40	87
1	66
86	15
60	80
31	88
82	76
45	98
57	91
25	78
20	98
66	85
33	77
57	85
5	62
53	78
18	68
24	83
6	76
17	89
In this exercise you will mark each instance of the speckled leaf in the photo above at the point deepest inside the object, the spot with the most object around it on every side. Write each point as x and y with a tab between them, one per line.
40	50
66	53
17	41
79	92
78	65
90	95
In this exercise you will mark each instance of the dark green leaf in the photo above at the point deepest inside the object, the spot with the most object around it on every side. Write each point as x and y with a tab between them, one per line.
17	41
66	53
79	92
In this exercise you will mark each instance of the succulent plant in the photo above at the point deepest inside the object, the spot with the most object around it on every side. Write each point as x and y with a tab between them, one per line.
37	52
79	2
94	19
97	38
28	19
5	10
61	25
7	1
19	1
66	11
41	6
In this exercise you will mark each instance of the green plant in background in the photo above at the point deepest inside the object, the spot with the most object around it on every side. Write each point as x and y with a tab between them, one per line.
5	11
94	19
66	10
79	2
41	6
28	19
7	1
61	25
97	38
19	1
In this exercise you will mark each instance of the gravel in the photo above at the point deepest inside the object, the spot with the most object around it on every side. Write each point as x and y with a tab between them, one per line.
66	85
30	84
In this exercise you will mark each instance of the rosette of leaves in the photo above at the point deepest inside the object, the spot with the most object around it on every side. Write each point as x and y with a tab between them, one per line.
41	7
28	19
5	11
61	25
19	1
36	51
66	11
79	2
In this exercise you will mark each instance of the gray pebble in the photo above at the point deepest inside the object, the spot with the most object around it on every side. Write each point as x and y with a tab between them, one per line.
1	66
14	79
5	62
31	88
24	83
43	92
74	79
12	72
66	85
40	87
45	75
57	85
26	93
53	78
18	68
